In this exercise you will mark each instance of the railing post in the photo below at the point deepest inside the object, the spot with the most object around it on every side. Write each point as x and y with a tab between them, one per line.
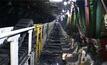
30	47
14	49
32	58
30	41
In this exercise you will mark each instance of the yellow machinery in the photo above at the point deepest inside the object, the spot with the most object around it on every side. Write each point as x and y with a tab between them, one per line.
38	31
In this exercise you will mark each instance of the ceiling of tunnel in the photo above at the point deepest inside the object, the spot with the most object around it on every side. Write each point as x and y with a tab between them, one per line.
40	11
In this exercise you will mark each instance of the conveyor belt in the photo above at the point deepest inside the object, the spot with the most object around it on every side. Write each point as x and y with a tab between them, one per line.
52	49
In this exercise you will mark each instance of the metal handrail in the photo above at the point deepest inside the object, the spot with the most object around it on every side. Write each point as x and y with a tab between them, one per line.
13	37
3	35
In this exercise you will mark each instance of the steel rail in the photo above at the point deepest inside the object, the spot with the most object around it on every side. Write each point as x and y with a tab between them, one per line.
7	34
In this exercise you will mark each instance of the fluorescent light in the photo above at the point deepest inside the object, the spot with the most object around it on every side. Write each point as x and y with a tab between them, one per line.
55	0
74	0
65	3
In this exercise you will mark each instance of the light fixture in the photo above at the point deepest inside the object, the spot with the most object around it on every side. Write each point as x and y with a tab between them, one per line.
56	1
74	0
68	2
63	11
65	3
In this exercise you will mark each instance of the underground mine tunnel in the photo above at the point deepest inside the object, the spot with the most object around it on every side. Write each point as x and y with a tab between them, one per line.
53	32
